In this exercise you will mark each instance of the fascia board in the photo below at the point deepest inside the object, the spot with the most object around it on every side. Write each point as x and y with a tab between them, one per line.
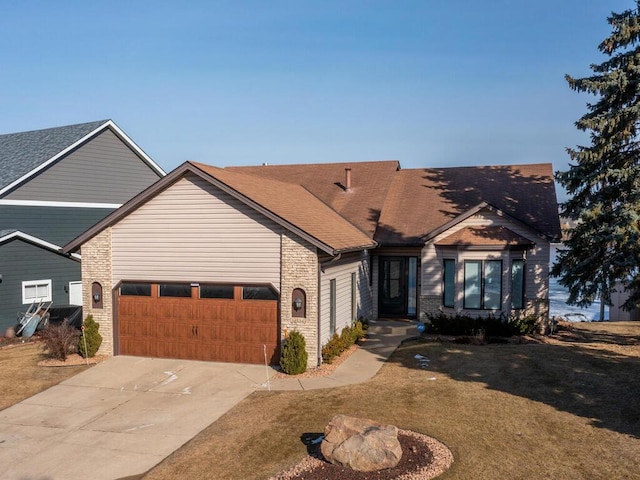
472	211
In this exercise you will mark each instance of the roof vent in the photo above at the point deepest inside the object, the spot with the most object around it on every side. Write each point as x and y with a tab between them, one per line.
347	179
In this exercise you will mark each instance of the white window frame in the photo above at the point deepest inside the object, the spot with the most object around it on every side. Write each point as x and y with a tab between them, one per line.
36	283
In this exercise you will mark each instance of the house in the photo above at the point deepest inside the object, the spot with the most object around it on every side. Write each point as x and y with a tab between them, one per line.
220	263
54	184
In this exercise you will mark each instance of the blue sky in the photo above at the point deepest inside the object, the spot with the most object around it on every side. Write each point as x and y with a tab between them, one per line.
430	83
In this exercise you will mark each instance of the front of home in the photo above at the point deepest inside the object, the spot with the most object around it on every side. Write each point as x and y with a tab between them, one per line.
220	264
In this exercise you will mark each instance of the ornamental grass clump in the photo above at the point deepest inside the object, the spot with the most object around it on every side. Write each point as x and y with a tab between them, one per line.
293	360
92	340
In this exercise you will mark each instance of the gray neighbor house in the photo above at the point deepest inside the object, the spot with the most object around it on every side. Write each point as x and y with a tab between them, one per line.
54	184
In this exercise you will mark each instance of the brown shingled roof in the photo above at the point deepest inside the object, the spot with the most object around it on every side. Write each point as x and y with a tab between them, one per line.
485	236
361	205
295	205
422	200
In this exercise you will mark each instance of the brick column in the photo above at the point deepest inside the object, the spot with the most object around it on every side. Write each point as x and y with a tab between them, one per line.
96	267
299	269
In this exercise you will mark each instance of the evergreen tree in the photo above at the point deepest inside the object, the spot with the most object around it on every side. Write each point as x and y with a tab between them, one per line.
603	181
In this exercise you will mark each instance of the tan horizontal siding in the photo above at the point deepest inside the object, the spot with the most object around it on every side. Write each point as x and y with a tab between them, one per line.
341	272
199	234
104	170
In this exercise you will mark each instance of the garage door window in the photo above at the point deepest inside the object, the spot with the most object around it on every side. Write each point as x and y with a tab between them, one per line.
182	290
216	291
135	289
258	293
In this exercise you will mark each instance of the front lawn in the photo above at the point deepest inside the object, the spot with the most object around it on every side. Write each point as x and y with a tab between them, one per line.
568	408
21	377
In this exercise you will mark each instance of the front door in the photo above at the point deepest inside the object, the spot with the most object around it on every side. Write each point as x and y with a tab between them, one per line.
397	286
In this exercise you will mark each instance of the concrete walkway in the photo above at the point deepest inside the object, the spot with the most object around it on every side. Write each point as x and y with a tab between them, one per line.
125	415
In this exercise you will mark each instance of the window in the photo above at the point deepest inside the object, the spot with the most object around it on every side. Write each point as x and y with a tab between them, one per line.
135	289
332	307
449	280
36	291
216	291
258	293
354	297
483	284
517	284
181	290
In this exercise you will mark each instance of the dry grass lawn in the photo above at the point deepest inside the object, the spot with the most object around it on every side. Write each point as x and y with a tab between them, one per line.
567	409
22	377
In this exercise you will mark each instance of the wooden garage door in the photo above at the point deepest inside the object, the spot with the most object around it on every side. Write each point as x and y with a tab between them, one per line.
221	323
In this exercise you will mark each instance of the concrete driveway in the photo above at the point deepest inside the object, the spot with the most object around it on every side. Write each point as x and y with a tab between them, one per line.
119	418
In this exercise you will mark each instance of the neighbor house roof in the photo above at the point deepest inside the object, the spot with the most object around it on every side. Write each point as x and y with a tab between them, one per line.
422	200
24	154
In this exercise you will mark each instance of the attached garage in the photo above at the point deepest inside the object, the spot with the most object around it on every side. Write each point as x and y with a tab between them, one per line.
213	322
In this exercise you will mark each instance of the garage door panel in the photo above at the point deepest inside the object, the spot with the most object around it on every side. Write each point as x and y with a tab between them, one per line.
227	330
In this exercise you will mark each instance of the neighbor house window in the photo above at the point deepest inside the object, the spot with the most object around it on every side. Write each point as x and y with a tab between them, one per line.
483	284
449	283
517	284
36	291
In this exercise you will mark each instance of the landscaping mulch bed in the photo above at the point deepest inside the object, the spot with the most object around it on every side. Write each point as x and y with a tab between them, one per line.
72	360
423	458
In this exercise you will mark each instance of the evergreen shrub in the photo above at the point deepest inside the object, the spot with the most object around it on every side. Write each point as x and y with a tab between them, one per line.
491	325
339	343
293	359
92	338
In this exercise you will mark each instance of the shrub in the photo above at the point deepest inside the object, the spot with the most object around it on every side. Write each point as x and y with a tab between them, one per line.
92	338
491	325
60	340
339	343
293	360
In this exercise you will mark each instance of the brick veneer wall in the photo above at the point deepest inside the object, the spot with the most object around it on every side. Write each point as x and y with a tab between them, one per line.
96	267
429	304
299	270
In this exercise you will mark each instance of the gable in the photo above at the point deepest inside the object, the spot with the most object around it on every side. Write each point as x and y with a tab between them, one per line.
22	152
194	227
421	201
104	170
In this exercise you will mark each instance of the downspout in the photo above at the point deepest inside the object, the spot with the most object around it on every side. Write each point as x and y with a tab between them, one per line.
321	267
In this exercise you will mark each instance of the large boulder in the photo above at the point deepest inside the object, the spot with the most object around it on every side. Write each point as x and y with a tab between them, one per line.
361	444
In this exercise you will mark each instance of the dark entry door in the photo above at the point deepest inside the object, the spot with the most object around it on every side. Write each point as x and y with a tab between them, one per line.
392	297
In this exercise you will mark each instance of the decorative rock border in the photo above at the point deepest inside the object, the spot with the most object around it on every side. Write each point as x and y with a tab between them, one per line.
441	460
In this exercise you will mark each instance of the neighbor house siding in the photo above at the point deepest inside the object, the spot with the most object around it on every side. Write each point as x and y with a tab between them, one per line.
21	261
341	271
104	170
195	232
57	225
536	261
